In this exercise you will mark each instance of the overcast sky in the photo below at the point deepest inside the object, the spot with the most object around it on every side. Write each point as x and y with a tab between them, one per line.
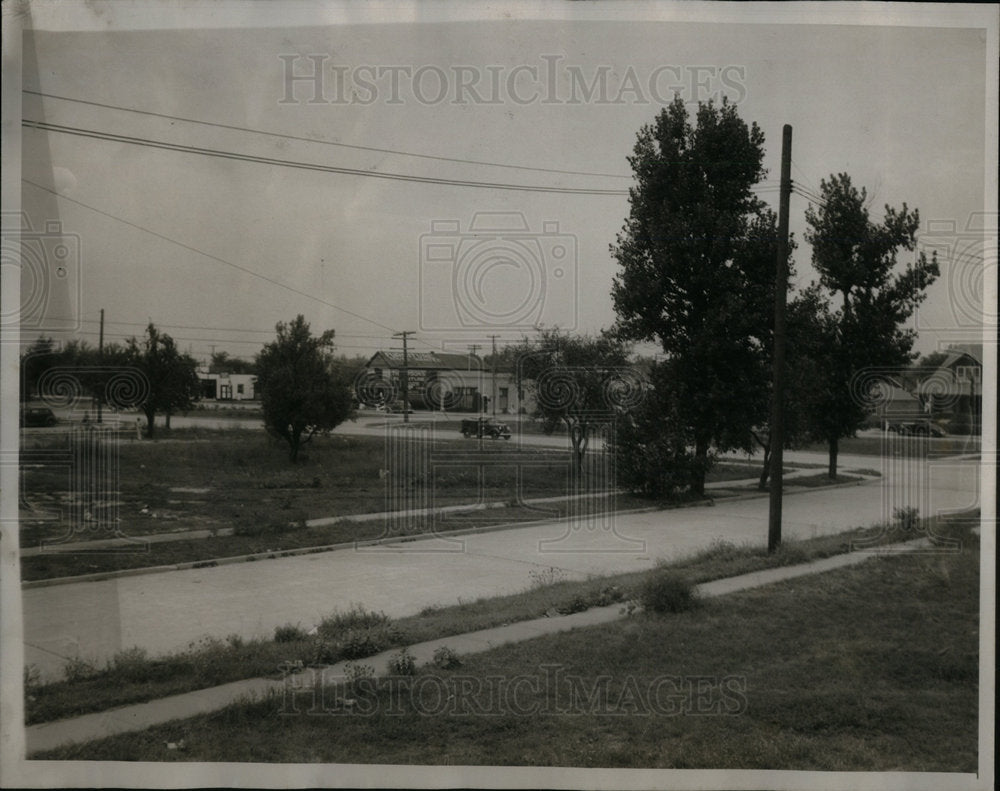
216	249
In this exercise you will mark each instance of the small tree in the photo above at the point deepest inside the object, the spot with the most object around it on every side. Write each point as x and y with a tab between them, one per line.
810	332
303	392
856	260
577	382
172	377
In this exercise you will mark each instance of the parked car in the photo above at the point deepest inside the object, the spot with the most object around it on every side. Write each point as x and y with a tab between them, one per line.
918	428
35	416
485	428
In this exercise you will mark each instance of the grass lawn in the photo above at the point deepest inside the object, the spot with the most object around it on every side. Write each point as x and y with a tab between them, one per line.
242	482
873	667
131	677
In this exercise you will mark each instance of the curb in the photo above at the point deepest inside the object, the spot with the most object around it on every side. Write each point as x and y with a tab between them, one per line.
316	550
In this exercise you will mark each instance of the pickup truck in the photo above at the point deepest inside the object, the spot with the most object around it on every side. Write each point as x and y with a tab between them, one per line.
485	428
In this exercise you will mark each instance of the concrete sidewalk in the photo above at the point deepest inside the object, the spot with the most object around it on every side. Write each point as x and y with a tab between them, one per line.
89	727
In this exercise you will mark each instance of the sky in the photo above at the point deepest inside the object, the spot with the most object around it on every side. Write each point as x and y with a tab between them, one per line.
397	222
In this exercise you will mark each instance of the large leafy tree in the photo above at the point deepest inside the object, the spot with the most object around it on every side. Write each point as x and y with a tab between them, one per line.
580	382
171	377
91	369
303	391
222	362
857	261
697	271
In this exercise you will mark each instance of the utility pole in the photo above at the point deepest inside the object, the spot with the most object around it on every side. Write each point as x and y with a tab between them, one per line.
493	376
100	361
778	394
473	348
404	375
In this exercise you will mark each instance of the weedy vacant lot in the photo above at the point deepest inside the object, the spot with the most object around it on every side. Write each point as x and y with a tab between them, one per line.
874	667
240	487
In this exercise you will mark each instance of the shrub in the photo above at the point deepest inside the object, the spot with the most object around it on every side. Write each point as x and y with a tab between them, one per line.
609	594
359	643
357	672
667	591
791	552
402	664
289	634
132	664
577	604
906	517
77	669
446	659
355	618
326	652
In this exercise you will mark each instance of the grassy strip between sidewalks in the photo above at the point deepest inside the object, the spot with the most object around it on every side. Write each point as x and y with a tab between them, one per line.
867	668
132	677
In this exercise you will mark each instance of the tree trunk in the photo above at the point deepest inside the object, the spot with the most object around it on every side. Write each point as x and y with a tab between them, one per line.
150	422
766	472
167	422
577	436
700	465
293	445
834	446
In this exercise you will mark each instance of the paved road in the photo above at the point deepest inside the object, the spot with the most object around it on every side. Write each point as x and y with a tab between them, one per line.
164	612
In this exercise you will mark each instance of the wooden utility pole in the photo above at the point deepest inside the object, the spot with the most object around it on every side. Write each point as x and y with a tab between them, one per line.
493	376
778	393
404	375
100	361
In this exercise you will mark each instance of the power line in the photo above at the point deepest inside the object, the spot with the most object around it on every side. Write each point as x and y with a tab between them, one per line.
312	166
297	165
243	269
217	341
374	149
199	327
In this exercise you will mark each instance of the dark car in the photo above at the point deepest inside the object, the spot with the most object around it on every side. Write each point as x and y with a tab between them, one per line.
485	428
920	428
35	416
